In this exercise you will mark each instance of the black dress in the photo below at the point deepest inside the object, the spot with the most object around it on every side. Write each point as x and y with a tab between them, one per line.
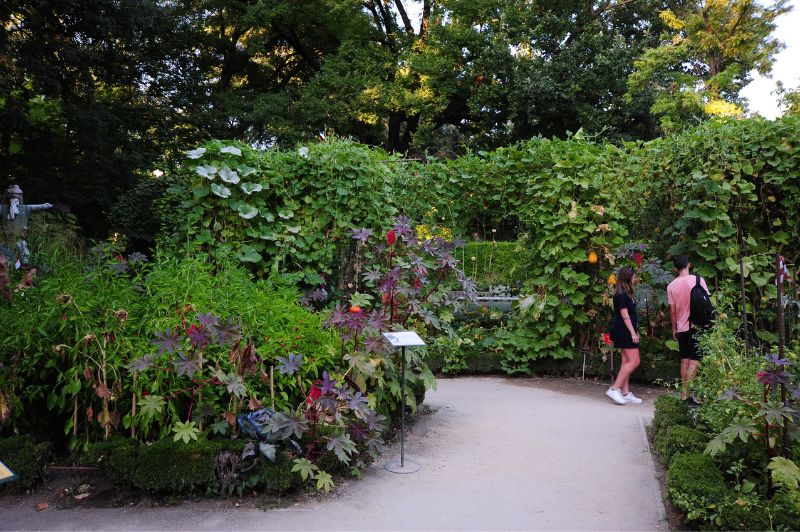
619	332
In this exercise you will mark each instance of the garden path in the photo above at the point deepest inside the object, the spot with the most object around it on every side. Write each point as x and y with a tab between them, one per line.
495	454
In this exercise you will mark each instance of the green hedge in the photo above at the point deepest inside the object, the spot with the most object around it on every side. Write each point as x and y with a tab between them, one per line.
170	467
117	458
24	458
670	411
653	368
693	478
679	439
277	478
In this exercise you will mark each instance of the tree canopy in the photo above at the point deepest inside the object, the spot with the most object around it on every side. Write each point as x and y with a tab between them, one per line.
95	94
706	58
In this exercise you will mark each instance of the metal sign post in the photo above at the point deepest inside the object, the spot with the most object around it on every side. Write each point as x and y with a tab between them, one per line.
403	339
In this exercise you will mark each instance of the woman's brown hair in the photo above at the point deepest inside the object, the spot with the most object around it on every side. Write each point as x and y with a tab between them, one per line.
625	281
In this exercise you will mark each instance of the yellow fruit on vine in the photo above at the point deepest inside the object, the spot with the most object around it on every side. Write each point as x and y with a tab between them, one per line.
612	279
592	258
771	198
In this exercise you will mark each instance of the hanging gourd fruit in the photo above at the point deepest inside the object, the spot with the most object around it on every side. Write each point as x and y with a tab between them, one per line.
592	258
612	279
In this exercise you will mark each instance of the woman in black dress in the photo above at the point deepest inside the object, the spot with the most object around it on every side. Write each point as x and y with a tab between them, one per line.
625	336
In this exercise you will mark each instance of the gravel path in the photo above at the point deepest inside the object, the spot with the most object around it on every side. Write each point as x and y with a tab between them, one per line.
495	454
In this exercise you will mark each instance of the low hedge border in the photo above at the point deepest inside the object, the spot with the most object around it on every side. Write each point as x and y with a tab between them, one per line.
27	459
697	485
167	467
653	368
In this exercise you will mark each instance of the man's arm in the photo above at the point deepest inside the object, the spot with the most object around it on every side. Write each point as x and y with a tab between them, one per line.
673	313
40	207
673	316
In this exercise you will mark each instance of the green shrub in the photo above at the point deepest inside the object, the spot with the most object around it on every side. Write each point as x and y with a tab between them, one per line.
694	482
750	513
670	411
483	362
74	301
117	458
26	459
277	478
785	509
676	439
418	387
496	263
167	466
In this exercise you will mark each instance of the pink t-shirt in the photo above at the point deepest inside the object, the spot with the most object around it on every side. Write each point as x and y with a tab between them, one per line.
678	295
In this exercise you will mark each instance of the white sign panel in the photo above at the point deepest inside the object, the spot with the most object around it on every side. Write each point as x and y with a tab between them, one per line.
403	338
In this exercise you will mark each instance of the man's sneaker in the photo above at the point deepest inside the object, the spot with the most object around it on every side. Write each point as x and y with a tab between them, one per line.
616	396
630	398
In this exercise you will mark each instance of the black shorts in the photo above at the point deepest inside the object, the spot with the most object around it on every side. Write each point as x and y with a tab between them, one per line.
687	345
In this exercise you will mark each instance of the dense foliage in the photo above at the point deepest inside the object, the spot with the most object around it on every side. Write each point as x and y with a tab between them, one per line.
283	210
720	193
705	59
109	90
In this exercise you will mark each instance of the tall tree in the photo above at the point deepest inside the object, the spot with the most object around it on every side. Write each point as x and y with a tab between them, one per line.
706	58
75	124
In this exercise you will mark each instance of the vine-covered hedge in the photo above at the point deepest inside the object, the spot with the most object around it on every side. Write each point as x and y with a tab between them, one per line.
283	210
716	192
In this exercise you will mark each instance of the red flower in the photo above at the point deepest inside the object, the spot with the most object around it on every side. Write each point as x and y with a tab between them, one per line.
314	393
391	237
607	339
638	257
417	283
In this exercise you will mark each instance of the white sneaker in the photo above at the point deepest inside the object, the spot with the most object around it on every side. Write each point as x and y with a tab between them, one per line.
616	396
630	398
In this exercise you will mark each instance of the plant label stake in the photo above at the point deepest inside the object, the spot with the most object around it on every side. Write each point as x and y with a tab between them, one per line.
6	475
403	339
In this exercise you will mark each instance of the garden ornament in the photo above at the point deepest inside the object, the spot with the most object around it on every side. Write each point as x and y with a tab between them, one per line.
14	215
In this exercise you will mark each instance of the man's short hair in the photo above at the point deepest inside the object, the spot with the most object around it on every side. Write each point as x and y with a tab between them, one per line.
680	262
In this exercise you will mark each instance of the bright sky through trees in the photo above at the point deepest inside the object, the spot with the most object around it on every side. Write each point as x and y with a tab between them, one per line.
786	68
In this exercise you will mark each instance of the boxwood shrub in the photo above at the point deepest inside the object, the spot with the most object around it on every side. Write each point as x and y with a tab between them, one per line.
176	467
277	478
694	482
117	458
670	411
26	459
679	439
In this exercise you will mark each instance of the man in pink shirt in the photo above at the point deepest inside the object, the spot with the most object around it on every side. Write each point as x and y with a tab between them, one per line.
679	296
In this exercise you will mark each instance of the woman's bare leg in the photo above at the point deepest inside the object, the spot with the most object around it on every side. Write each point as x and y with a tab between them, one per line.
630	361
